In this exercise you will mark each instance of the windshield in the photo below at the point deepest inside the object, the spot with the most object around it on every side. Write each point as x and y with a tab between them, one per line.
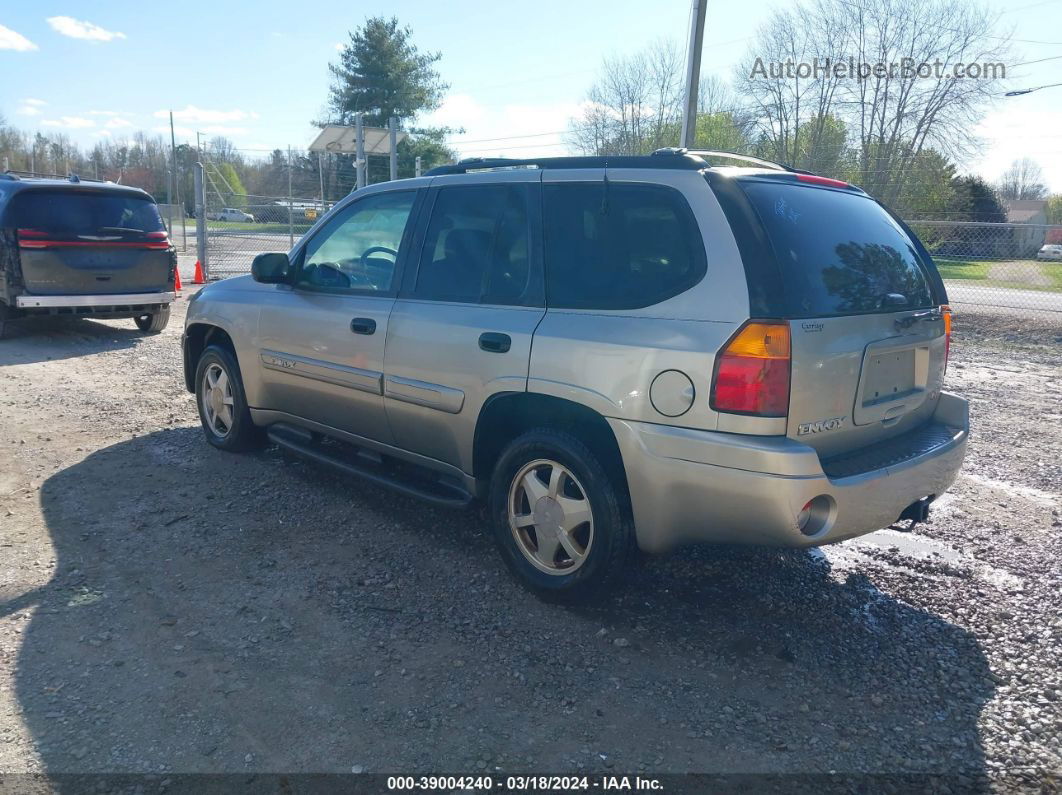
86	213
840	253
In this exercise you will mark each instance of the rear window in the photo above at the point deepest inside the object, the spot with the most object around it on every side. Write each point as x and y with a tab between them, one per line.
86	213
839	253
624	247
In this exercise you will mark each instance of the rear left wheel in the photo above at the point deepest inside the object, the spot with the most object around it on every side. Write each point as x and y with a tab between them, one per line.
153	322
559	519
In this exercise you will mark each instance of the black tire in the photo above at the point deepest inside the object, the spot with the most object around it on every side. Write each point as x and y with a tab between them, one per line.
5	319
612	545
155	322
242	434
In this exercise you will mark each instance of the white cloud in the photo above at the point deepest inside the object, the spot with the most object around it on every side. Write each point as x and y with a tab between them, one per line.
10	40
1023	129
103	133
340	46
78	29
192	114
69	123
115	122
30	107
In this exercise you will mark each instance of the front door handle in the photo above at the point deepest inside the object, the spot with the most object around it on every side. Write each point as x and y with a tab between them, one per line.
493	342
363	325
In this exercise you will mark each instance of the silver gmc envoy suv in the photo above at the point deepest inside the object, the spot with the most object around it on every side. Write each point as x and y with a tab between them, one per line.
610	353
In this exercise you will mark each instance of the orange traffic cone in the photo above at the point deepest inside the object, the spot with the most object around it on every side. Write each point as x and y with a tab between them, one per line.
198	278
176	278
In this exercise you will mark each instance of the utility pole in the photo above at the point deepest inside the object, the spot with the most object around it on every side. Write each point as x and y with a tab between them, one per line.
393	126
359	150
417	172
693	74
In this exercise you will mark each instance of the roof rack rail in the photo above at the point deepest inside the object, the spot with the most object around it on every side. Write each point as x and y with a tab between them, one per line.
69	177
680	161
759	161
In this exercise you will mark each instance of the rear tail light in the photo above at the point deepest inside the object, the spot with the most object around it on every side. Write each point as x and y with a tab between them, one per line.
752	371
37	238
945	311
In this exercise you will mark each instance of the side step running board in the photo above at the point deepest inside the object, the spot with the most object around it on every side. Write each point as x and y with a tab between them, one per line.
302	443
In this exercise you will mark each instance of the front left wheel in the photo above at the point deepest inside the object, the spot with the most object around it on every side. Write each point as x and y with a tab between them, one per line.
222	405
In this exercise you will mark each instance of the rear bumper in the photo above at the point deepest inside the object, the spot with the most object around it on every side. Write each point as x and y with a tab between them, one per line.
692	486
111	303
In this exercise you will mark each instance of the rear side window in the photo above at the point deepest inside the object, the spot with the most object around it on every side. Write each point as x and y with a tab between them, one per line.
476	249
839	253
620	246
71	213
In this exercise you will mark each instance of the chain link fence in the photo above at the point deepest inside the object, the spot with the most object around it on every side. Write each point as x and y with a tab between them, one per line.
1003	266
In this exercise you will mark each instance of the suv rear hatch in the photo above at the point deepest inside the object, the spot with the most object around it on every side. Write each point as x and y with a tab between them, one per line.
863	300
85	241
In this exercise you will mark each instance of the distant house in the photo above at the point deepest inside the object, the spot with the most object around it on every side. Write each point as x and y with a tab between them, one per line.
1031	214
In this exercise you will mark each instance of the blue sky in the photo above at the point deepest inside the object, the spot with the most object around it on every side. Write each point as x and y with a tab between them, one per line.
257	72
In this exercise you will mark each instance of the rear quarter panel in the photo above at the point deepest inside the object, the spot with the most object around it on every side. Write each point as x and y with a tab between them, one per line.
608	359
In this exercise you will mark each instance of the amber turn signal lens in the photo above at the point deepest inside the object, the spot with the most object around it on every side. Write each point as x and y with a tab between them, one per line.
761	341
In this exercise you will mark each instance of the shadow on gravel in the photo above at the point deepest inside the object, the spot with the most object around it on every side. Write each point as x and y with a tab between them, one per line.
37	339
212	612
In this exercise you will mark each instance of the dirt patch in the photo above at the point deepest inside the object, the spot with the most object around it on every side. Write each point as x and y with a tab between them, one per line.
1019	272
168	608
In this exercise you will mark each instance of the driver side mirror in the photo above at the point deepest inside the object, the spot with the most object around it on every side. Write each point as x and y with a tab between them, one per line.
271	268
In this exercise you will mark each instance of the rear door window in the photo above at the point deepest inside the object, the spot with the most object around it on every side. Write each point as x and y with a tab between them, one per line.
618	245
477	246
86	214
840	253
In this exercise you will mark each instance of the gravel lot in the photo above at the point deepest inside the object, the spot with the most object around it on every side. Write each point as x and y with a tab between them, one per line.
168	608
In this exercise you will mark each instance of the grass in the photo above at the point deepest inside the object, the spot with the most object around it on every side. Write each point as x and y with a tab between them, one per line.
978	270
300	226
962	269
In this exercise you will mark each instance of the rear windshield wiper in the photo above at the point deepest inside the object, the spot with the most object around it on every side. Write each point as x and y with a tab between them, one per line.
120	229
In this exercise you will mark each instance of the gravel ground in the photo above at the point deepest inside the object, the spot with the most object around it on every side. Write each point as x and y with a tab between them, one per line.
168	608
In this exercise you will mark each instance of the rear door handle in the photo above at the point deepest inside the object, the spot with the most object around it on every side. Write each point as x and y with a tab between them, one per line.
363	325
493	342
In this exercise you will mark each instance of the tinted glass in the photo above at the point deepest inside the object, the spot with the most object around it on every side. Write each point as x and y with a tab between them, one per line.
627	247
358	248
71	213
476	246
840	253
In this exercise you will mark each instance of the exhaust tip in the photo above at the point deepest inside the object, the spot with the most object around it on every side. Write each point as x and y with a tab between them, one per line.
815	517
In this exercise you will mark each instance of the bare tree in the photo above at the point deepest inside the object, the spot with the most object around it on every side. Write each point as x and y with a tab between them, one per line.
1023	180
635	106
794	104
902	97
